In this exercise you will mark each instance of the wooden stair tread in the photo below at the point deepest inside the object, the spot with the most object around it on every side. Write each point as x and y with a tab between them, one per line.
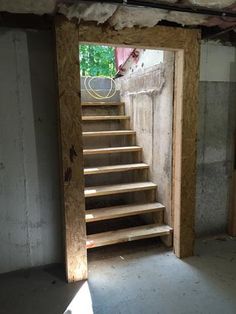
125	235
101	103
97	118
115	168
118	188
109	133
111	150
121	211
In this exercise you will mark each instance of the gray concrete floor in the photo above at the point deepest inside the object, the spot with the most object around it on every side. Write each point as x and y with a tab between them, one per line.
134	278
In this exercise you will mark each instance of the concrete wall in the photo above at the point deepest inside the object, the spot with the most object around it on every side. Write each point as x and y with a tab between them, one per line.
215	136
99	85
30	218
216	125
148	95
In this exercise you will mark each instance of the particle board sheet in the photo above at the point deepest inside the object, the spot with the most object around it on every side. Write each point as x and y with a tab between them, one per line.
71	149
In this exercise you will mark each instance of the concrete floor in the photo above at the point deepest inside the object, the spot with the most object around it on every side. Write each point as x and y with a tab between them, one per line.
135	278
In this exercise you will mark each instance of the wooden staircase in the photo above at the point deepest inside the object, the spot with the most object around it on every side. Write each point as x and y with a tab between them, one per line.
121	202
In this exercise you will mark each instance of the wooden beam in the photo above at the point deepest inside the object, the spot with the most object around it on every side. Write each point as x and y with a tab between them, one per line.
185	43
185	146
71	148
158	37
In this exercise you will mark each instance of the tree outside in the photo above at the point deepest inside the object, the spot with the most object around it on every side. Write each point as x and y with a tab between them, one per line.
97	60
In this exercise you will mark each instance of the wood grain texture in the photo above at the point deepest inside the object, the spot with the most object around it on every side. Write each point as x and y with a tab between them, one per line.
158	37
185	43
108	133
115	168
112	150
71	149
97	118
99	214
185	145
118	188
101	104
126	235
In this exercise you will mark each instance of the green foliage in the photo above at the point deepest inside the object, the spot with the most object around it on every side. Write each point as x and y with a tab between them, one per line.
97	60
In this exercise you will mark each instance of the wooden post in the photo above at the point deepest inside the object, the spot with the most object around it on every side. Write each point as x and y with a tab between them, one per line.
67	43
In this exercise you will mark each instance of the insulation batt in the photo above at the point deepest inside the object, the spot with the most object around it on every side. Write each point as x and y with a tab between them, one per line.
217	4
186	18
28	6
130	16
97	12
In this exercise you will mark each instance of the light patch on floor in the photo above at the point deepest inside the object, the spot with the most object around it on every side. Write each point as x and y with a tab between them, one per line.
132	278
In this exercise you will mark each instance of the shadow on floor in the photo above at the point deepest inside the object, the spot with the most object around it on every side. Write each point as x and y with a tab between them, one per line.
132	278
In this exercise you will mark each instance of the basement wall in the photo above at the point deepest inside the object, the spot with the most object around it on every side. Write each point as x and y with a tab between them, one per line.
147	90
217	118
216	125
30	218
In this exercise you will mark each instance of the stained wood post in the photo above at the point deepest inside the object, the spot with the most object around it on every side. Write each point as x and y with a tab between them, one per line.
72	179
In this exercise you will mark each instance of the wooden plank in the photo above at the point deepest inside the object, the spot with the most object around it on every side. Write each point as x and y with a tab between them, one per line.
101	103
118	188
108	133
164	37
115	168
122	211
184	146
112	150
98	118
128	234
186	43
71	150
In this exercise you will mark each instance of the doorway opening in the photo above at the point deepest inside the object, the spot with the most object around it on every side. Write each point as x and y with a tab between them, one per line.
127	120
185	45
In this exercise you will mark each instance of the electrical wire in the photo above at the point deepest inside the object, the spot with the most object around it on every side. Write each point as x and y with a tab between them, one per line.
94	94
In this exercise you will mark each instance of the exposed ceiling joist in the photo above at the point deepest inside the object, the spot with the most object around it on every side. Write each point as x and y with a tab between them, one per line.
128	13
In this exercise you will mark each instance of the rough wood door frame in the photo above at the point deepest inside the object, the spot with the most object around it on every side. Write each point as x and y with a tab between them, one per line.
185	43
70	140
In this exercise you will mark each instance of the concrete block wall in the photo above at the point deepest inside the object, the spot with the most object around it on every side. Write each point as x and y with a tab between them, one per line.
101	86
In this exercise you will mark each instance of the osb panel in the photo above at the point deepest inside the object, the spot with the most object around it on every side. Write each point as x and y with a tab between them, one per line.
189	147
186	44
184	146
71	148
161	37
